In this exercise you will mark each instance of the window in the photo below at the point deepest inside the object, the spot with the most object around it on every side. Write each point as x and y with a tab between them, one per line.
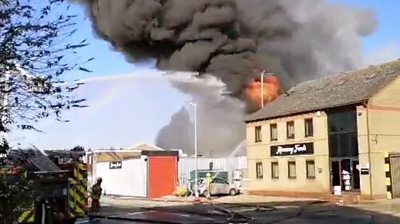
292	170
310	169
308	127
218	180
290	129
259	170
274	132
257	134
275	170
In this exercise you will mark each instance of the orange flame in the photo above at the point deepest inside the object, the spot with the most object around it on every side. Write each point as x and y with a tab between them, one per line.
271	90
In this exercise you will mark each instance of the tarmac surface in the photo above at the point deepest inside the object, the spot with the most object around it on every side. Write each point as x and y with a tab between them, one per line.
280	212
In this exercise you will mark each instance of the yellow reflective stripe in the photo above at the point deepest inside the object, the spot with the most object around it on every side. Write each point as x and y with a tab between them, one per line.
388	181
32	218
72	181
79	210
387	167
26	217
78	174
23	216
389	195
82	167
71	202
78	191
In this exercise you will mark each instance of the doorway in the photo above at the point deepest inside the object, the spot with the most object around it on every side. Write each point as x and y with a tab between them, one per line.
355	174
345	173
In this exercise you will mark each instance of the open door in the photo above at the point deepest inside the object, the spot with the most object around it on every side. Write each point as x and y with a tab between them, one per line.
336	179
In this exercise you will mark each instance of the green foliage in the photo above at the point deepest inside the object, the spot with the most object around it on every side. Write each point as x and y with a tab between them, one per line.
78	148
16	195
36	50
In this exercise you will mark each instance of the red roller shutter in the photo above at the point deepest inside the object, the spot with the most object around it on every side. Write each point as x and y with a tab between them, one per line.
162	172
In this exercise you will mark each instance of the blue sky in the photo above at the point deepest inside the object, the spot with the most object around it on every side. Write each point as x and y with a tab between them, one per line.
387	36
127	112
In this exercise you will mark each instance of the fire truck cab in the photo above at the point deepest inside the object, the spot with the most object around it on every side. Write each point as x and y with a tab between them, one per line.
55	182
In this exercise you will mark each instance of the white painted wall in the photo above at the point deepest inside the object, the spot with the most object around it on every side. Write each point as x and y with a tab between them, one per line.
130	180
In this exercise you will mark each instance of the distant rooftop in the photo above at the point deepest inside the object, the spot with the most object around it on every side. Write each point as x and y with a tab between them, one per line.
332	91
37	158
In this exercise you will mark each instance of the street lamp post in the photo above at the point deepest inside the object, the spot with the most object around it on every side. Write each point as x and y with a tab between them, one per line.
262	88
196	190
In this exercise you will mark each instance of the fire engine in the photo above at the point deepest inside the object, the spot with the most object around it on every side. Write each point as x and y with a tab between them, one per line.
54	185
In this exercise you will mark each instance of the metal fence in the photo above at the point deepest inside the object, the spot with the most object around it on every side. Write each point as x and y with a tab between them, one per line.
186	165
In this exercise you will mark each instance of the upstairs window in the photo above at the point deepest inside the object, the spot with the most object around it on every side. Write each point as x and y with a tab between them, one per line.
290	129
274	132
308	127
258	134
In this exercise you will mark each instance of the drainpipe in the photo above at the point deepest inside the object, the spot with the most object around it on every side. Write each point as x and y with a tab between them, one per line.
366	105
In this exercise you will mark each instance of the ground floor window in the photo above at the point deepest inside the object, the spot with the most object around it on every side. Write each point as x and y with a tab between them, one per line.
292	170
275	170
259	170
310	169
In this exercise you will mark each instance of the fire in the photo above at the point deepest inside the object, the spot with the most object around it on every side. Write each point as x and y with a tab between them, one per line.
271	90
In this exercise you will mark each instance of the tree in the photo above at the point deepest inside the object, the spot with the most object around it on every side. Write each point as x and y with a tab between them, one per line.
78	148
16	194
35	53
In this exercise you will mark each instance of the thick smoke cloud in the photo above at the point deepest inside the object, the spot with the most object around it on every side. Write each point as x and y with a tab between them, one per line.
220	120
297	40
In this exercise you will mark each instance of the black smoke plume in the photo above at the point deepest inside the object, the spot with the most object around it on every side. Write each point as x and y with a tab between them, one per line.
296	39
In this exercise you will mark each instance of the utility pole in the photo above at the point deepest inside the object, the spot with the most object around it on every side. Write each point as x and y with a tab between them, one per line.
262	88
195	151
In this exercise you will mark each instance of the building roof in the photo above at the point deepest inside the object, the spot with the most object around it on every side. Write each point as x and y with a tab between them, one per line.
115	155
43	163
37	158
145	146
124	154
331	91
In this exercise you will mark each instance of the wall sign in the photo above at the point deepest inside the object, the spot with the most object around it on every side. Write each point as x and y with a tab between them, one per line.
115	165
293	149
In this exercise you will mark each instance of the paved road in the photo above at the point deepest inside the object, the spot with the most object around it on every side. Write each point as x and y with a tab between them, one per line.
268	213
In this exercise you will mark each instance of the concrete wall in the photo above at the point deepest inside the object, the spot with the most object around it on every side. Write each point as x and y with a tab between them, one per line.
260	152
379	132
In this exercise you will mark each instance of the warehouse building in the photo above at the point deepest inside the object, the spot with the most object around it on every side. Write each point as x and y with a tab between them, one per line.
338	134
143	171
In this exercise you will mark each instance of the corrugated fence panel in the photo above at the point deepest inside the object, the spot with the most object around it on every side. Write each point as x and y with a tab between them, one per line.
224	164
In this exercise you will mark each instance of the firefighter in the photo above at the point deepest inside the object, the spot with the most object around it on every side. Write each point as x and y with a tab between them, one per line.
208	181
96	194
